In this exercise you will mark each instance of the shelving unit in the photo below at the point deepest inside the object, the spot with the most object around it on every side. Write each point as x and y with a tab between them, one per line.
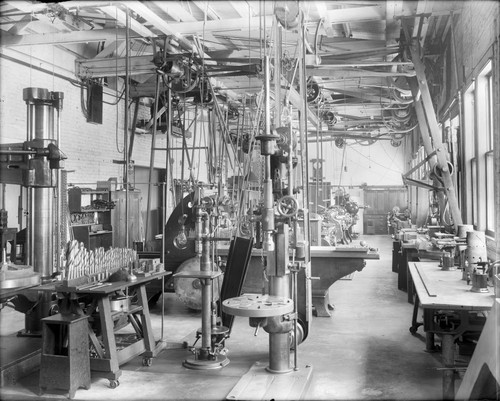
91	225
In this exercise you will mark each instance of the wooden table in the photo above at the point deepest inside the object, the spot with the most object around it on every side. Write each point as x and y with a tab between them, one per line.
108	357
445	292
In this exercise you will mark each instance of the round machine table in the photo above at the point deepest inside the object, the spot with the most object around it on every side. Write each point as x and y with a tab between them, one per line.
256	305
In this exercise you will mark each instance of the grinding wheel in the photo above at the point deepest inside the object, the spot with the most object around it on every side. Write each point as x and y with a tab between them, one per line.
189	289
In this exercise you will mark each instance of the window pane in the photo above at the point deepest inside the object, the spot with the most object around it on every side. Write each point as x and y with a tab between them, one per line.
490	192
474	191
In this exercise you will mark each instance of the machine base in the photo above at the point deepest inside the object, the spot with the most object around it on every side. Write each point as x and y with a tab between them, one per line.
204	364
259	384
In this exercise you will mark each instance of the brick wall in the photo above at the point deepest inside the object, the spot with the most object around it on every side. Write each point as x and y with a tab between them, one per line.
475	34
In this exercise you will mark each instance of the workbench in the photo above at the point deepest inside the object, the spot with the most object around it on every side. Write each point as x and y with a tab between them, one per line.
108	357
444	293
406	252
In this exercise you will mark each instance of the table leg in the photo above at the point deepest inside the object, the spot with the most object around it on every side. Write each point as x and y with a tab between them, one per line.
149	341
414	323
448	353
108	335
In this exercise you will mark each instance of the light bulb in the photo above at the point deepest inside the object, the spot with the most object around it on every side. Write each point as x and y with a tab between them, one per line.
180	240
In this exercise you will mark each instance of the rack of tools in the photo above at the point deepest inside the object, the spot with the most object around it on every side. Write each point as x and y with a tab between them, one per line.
85	268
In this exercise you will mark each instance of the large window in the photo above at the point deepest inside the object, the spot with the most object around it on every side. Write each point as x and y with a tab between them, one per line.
490	168
478	151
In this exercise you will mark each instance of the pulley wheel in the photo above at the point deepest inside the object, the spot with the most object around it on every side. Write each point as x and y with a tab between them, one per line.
189	289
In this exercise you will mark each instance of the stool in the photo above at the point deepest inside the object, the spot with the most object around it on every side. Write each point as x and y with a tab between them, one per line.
65	363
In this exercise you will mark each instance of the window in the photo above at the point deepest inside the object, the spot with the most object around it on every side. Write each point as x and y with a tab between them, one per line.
478	151
489	158
468	152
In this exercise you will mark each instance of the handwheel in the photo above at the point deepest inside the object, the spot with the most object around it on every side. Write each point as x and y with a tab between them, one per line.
114	383
147	361
287	206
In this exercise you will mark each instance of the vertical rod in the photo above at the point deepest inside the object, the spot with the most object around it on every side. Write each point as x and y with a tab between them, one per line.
29	196
58	192
152	154
303	140
125	125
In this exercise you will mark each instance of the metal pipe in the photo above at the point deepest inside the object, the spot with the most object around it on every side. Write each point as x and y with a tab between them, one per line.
206	301
125	125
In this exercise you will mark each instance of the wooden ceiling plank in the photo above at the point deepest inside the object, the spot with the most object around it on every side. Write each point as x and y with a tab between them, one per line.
175	10
436	27
121	17
327	23
446	28
165	27
208	11
242	8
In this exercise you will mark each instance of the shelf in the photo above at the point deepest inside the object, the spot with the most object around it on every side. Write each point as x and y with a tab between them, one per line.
100	233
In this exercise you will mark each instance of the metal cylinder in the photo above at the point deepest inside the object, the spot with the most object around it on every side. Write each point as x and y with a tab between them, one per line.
279	353
463	229
206	301
476	250
279	286
40	127
476	247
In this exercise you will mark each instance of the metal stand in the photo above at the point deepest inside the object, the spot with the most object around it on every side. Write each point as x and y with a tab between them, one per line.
207	356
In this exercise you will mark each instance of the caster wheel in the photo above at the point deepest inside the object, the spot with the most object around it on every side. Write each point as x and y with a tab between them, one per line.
114	383
413	330
147	361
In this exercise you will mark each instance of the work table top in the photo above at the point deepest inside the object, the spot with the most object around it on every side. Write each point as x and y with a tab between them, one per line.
442	289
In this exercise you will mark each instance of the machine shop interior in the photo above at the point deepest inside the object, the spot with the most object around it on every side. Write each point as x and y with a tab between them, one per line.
250	200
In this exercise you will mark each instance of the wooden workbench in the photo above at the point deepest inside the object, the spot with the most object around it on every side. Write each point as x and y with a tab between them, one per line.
445	291
108	358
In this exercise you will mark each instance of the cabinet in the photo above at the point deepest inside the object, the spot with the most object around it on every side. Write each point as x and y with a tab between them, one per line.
90	212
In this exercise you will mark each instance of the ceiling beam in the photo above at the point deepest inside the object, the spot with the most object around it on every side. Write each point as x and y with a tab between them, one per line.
322	12
121	17
175	10
242	8
230	24
353	73
59	38
208	11
165	27
356	14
